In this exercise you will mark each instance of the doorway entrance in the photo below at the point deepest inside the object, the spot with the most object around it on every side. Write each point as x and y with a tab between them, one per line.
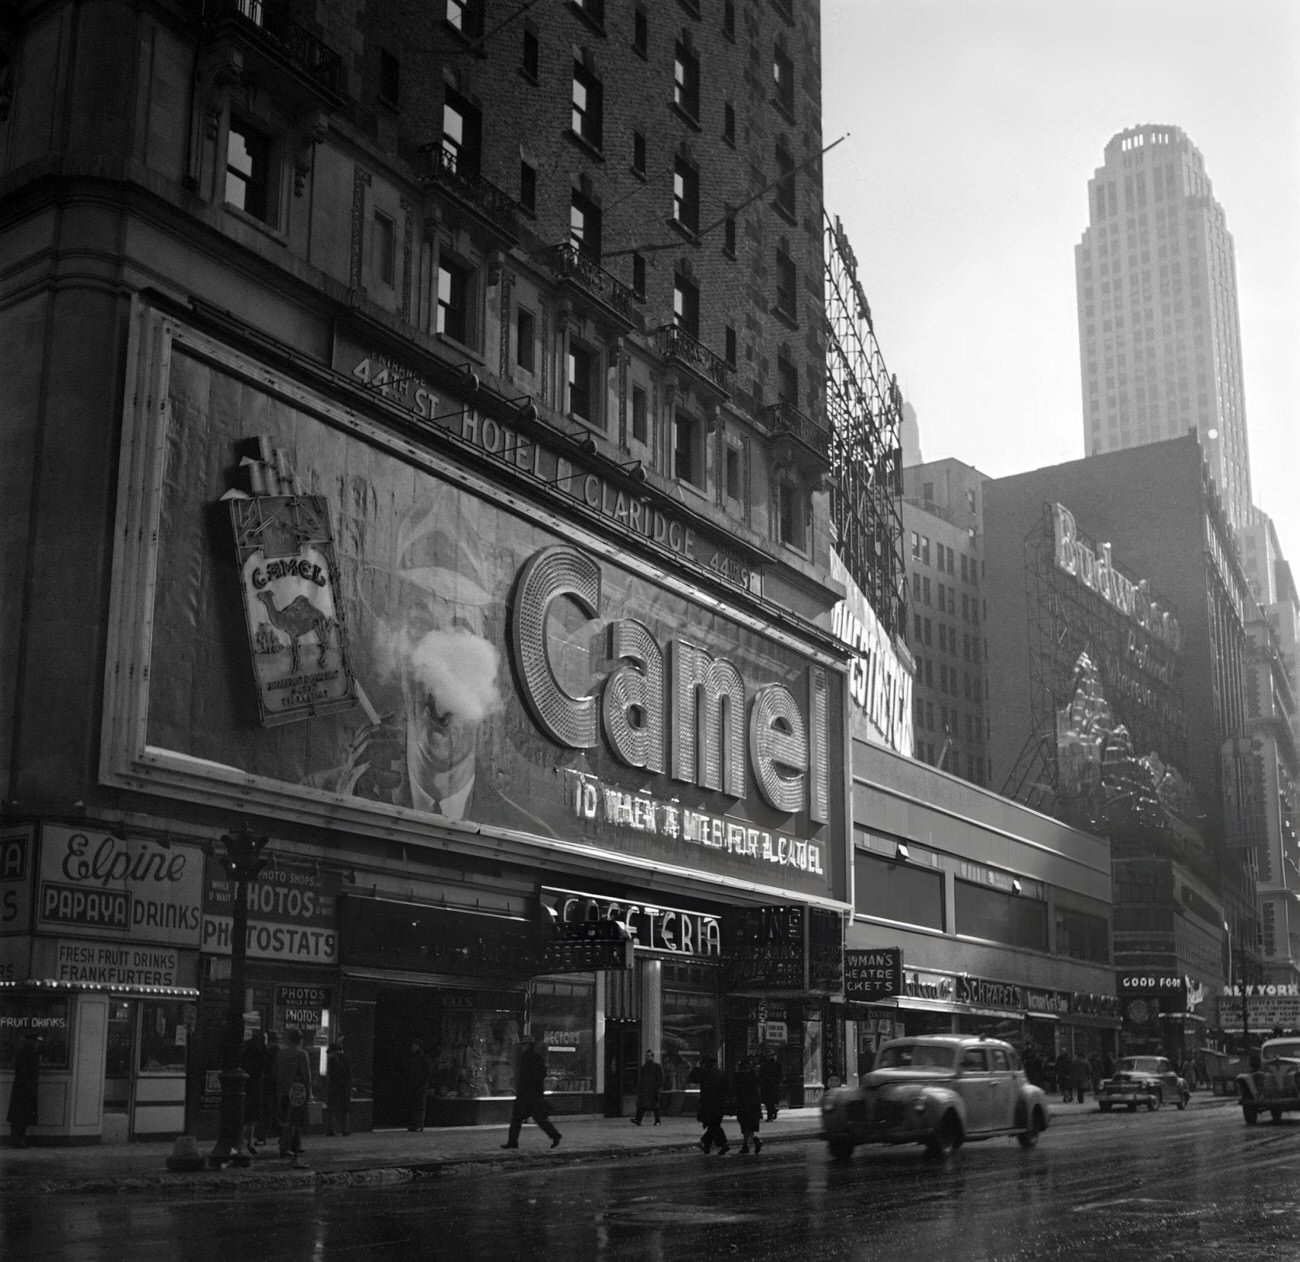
623	1054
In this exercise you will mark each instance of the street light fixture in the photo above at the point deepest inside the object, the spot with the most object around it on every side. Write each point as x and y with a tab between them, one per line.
243	862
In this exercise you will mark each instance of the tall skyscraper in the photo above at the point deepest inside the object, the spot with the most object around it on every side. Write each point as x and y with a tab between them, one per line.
1159	336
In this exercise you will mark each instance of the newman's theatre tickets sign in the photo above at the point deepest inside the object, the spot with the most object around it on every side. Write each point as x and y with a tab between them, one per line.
514	671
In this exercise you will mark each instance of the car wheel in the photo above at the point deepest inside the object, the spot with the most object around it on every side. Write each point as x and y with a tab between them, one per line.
841	1147
1154	1102
1028	1137
947	1137
1249	1113
1104	1105
1184	1101
1133	1107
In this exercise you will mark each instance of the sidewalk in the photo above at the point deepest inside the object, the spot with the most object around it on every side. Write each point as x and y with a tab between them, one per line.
395	1156
398	1156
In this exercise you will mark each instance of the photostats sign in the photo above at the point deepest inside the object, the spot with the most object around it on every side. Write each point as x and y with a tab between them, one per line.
872	974
93	884
288	576
292	912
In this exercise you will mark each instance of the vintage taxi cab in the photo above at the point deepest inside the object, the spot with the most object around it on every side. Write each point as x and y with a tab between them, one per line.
1274	1087
939	1090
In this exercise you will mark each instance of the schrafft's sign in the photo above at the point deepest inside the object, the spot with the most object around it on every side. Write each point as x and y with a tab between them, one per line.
1095	570
138	889
295	631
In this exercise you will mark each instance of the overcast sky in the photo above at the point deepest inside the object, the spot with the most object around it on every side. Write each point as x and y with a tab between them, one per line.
975	126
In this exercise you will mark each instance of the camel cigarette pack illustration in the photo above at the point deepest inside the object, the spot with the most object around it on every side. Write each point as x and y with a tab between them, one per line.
296	634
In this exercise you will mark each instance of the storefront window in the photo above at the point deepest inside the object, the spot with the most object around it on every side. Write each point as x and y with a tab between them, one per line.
163	1036
473	1053
36	1014
690	1021
564	1019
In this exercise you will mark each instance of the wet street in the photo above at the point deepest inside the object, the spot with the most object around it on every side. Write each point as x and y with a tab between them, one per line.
1169	1185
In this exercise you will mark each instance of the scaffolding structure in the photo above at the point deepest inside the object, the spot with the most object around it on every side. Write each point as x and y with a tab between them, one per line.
865	407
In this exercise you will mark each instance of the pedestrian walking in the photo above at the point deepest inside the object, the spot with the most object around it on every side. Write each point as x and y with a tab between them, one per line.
747	1094
649	1083
1080	1076
769	1083
252	1060
419	1070
268	1125
292	1092
1063	1064
714	1092
26	1087
530	1096
338	1090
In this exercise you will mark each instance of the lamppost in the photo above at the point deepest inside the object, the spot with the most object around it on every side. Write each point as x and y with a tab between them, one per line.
243	861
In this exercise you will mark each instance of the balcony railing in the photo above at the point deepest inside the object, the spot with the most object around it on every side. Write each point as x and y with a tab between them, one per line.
675	343
276	29
784	420
445	168
571	264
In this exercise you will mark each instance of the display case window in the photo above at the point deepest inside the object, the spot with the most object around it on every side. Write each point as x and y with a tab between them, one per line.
164	1036
473	1053
37	1014
690	1032
563	1018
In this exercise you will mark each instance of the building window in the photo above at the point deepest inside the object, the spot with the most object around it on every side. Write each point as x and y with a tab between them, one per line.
729	236
390	77
587	106
455	286
584	384
686	195
688	451
461	129
732	478
525	339
593	11
787	378
791	514
783	79
584	226
686	81
530	59
729	344
729	19
248	171
729	124
785	200
528	186
686	305
787	303
383	238
640	33
466	16
638	153
640	415
638	275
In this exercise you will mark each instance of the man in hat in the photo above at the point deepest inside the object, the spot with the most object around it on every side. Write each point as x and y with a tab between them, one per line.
26	1087
436	645
530	1095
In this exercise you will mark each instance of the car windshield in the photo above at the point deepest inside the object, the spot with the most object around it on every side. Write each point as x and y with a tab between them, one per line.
915	1056
1277	1050
1140	1065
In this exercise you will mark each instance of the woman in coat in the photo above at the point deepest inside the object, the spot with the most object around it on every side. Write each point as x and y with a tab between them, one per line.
292	1091
27	1080
338	1090
649	1083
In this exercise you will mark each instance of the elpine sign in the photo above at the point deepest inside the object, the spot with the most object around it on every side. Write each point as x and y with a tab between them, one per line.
141	890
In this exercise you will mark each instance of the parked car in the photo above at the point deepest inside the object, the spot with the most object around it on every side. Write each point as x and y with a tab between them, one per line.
938	1090
1275	1085
1149	1080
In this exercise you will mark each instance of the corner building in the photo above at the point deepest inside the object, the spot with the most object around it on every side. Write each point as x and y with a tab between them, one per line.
416	457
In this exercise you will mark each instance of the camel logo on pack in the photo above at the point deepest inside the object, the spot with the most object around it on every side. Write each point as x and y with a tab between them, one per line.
296	633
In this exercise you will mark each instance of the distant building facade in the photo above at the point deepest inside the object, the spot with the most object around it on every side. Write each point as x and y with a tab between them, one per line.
1159	330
